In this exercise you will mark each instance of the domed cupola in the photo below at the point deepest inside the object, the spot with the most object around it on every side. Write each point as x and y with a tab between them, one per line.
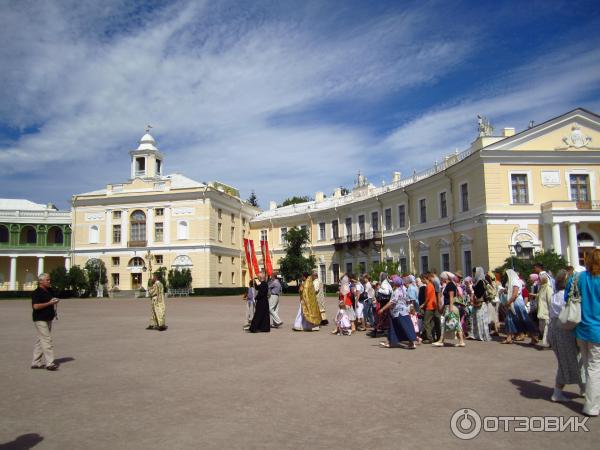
146	160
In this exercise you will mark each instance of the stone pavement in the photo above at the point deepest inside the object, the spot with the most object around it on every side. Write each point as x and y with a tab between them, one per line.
206	384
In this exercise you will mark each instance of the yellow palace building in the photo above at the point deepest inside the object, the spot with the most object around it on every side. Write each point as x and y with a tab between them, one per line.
155	220
507	194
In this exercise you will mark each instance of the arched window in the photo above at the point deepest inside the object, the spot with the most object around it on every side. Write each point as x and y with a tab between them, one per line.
55	236
94	234
182	230
28	235
182	262
3	234
136	262
138	226
585	237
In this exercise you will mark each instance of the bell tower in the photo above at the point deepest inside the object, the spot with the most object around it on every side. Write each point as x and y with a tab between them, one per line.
146	160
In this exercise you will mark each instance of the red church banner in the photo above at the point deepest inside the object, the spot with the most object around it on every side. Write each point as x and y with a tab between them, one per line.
253	256
248	258
264	247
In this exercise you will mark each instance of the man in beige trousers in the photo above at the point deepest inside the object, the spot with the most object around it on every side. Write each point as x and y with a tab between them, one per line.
43	304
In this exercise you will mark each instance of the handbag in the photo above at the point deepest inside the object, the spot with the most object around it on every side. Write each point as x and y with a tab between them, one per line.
570	316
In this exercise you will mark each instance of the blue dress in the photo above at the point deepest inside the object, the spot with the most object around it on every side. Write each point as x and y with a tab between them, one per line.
518	321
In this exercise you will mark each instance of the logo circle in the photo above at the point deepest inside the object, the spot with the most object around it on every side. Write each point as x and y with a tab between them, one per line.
465	424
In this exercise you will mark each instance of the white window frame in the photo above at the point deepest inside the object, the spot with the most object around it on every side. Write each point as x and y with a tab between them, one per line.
421	254
331	227
348	231
460	197
439	202
529	188
282	232
391	227
466	248
442	253
419	209
323	237
379	224
592	178
264	233
405	216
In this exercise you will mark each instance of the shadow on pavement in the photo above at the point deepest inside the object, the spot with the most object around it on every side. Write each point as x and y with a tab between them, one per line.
66	359
24	441
533	390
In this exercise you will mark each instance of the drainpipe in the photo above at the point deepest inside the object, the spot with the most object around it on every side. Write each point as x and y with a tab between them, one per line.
451	223
410	255
380	227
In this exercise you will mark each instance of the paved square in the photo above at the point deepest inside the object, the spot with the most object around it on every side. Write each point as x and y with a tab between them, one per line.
204	383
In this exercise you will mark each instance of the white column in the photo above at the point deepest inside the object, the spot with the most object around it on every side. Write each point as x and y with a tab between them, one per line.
12	285
124	227
108	223
556	238
573	250
40	265
167	225
67	263
150	226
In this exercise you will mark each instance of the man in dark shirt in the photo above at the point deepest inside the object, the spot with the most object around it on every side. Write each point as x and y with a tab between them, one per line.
44	310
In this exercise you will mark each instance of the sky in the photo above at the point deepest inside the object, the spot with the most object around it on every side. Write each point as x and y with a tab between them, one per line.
280	97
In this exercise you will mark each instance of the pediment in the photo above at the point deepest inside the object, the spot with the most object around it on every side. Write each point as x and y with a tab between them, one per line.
576	130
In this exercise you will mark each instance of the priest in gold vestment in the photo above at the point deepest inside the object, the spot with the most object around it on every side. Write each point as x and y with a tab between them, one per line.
309	314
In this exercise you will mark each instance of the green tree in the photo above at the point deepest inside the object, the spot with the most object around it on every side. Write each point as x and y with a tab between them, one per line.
252	200
390	267
295	200
549	259
96	272
294	263
161	273
60	279
180	279
78	280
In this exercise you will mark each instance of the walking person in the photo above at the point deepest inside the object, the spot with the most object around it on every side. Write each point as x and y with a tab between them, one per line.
432	317
369	302
481	329
563	343
309	316
320	291
451	313
544	299
157	299
517	320
275	291
249	297
588	330
260	321
401	328
43	304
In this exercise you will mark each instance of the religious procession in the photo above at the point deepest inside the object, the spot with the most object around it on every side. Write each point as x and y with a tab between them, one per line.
553	311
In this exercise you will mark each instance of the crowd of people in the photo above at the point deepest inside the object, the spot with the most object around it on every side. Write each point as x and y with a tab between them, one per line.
410	310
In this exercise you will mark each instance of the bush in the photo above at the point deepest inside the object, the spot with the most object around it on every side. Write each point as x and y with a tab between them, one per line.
549	259
217	292
180	279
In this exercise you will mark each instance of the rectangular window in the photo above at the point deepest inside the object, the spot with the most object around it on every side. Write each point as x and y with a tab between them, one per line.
323	274
232	235
158	231
116	261
403	265
263	235
219	259
220	277
375	221
233	260
322	236
232	218
116	215
115	279
282	235
464	197
349	227
232	277
159	212
158	259
361	224
423	210
220	231
140	166
388	219
335	232
362	267
116	234
580	187
443	205
518	182
424	264
348	268
336	273
402	216
220	213
445	261
467	260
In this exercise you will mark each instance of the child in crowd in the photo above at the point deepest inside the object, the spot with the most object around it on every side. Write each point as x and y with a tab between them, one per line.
414	317
249	297
342	322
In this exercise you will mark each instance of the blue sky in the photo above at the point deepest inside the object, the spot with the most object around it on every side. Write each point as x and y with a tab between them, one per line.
280	97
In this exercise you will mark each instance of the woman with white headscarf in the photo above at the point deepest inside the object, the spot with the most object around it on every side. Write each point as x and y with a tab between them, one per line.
544	299
383	295
517	319
346	297
481	330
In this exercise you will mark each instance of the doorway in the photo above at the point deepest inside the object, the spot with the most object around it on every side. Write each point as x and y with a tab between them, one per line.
136	280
